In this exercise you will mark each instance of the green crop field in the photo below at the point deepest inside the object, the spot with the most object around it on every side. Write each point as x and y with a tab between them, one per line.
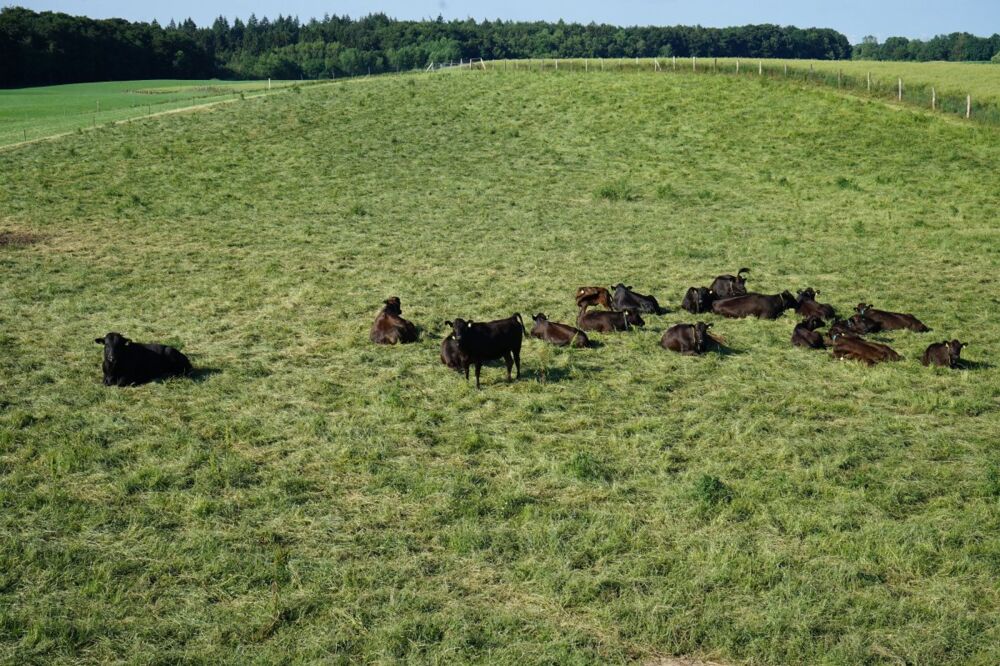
33	113
307	497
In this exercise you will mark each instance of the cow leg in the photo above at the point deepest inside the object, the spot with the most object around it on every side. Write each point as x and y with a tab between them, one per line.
517	363
479	367
466	368
509	360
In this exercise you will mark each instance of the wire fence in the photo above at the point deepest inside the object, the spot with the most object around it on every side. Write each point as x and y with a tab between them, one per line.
890	89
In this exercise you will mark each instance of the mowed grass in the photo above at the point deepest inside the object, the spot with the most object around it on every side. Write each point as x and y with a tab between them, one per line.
33	113
309	497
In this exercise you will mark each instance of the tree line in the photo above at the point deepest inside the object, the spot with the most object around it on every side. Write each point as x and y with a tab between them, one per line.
43	48
957	47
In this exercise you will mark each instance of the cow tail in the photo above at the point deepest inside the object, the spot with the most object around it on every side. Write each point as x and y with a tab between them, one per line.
517	316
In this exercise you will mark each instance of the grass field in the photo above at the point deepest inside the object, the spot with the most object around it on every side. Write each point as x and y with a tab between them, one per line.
951	82
310	497
32	113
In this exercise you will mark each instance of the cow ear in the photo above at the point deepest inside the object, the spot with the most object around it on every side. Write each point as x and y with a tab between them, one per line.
448	324
99	341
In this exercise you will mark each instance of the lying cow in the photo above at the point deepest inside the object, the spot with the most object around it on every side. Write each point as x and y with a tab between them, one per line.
945	354
128	363
856	325
698	300
891	321
866	351
390	328
624	298
805	335
561	335
727	286
807	306
451	355
607	322
756	305
481	342
593	296
688	339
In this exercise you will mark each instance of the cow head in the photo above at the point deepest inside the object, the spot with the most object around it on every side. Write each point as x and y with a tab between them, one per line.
633	318
808	294
701	336
788	301
863	308
540	320
113	343
460	328
862	325
955	351
393	306
813	323
740	282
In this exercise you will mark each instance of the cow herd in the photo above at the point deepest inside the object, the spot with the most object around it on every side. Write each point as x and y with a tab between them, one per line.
470	344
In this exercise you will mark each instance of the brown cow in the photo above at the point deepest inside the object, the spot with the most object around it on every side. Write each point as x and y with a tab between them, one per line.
945	354
607	322
561	335
870	353
451	355
807	306
687	339
390	328
593	296
758	305
805	335
891	321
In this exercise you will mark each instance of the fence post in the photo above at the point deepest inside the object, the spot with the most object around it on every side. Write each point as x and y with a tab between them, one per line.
840	75
694	63
760	68
557	63
737	65
968	107
675	62
786	69
933	99
869	81
900	97
586	65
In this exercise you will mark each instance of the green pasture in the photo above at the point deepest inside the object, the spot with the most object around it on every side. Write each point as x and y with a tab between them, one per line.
33	113
310	498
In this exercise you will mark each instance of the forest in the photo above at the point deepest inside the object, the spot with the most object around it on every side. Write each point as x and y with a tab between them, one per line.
45	48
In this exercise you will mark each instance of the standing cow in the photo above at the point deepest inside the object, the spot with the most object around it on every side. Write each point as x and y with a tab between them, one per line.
481	342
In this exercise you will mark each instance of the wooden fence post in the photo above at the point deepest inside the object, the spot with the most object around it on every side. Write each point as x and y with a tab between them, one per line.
933	99
675	62
786	69
602	64
968	107
737	65
694	63
760	68
900	97
869	81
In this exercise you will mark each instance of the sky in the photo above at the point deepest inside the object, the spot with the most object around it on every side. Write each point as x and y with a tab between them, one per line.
855	18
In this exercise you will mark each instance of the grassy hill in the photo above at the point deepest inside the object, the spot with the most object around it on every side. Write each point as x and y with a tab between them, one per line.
310	497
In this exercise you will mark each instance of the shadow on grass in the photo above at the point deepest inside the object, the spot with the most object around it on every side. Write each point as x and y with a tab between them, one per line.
202	374
974	365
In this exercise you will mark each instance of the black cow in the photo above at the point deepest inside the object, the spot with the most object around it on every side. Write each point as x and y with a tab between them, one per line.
805	335
891	321
727	286
688	339
128	363
856	325
757	305
945	354
698	300
807	306
623	298
608	321
561	335
479	342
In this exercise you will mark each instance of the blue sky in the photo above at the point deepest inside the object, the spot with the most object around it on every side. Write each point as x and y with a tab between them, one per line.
855	18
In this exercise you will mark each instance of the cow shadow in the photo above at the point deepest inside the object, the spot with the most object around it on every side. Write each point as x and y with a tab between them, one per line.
201	375
974	365
722	349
